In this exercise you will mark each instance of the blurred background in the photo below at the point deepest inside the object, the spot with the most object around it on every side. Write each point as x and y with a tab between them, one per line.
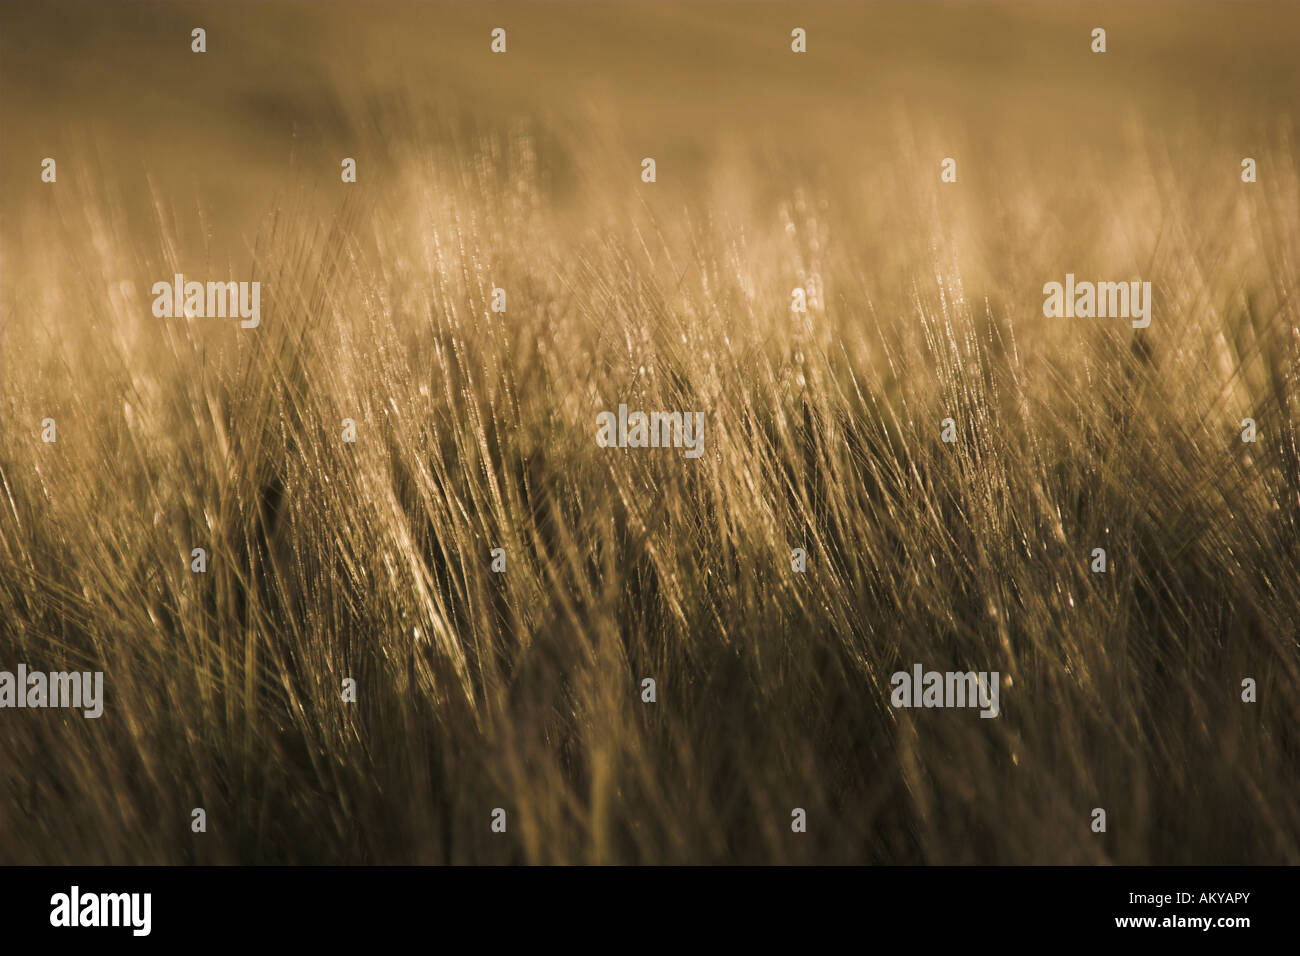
774	171
886	90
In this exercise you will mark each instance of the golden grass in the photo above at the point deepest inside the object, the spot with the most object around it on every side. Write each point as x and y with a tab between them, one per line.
476	430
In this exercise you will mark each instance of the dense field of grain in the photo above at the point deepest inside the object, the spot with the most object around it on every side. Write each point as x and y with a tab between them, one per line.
476	429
